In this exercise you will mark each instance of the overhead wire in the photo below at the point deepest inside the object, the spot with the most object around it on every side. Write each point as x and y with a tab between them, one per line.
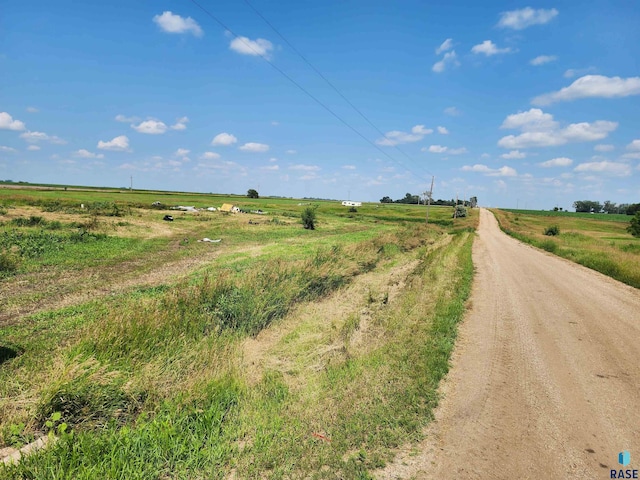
327	81
304	90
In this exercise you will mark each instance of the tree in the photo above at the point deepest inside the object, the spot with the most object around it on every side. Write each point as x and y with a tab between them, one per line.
587	206
309	218
633	209
251	193
609	207
408	198
634	225
386	200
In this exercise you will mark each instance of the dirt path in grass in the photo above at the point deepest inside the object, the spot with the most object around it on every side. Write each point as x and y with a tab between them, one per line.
545	381
47	290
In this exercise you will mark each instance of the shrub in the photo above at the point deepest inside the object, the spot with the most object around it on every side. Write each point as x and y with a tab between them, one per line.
460	211
32	221
552	231
353	210
309	218
9	262
634	225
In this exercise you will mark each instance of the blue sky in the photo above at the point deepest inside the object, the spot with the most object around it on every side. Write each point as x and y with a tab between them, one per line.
520	104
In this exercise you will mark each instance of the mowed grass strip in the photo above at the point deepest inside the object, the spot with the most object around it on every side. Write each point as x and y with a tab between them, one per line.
151	385
600	242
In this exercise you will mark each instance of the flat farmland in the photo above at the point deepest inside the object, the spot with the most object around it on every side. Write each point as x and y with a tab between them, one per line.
275	352
597	241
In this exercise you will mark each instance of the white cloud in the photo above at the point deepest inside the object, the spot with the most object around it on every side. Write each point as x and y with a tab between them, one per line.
457	151
449	58
446	45
349	167
492	172
532	120
396	137
421	130
592	86
574	72
270	167
305	168
181	124
246	46
7	149
150	127
513	155
437	149
33	148
489	48
542	59
634	145
118	144
182	152
633	150
541	130
291	152
224	139
557	162
32	110
254	147
82	153
526	17
123	119
224	168
452	111
603	148
171	23
443	131
605	167
210	156
34	137
8	123
441	149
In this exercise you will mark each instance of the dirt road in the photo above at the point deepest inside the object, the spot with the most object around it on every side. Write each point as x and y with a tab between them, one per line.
545	381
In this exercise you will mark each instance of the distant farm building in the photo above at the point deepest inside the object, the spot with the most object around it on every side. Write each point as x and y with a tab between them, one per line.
229	208
349	203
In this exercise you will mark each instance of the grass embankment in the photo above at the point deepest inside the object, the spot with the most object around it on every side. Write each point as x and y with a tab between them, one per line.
600	242
154	383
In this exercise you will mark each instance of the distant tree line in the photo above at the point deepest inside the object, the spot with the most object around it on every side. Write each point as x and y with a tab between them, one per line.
415	199
588	206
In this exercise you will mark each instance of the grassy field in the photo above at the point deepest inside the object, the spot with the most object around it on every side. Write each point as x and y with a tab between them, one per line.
597	241
278	352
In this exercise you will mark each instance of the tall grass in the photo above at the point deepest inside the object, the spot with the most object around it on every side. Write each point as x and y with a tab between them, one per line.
597	243
151	384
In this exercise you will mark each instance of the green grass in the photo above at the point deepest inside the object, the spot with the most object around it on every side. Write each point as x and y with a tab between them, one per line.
610	217
151	381
597	241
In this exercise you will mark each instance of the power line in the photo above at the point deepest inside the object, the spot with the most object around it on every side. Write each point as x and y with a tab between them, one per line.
304	90
328	82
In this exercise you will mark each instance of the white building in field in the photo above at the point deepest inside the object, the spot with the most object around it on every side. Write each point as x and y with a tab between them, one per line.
349	203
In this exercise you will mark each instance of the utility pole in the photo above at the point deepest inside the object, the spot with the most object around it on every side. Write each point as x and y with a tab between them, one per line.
131	184
428	195
455	208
